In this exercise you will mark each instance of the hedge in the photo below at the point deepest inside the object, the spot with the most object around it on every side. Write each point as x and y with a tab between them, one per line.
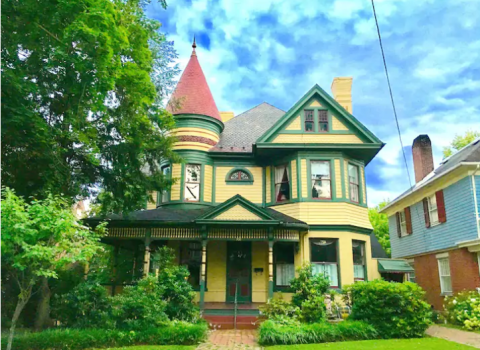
272	333
179	333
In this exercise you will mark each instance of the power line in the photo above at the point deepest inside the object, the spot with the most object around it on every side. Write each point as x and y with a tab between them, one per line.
391	94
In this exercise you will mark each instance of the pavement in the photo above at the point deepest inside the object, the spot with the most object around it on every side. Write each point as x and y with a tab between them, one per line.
240	339
456	335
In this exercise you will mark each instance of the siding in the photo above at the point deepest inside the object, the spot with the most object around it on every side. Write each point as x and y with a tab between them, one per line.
294	179
207	183
237	213
303	172
176	174
460	225
362	178
296	124
338	125
153	204
477	191
347	184
253	193
268	184
338	179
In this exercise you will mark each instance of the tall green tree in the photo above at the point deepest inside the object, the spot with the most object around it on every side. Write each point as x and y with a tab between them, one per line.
459	142
82	89
380	226
38	240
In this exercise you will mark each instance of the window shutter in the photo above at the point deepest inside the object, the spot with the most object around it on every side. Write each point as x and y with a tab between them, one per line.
399	230
442	214
408	219
425	212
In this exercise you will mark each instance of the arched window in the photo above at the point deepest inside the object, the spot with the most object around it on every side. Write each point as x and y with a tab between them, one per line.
236	176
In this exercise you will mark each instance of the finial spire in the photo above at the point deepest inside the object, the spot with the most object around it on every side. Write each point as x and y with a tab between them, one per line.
194	45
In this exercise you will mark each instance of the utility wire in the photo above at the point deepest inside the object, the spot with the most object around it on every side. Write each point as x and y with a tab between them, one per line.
391	94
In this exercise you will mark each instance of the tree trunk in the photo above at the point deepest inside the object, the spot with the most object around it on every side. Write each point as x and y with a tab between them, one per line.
42	319
18	310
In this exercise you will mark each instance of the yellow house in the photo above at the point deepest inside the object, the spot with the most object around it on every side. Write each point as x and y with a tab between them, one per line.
259	194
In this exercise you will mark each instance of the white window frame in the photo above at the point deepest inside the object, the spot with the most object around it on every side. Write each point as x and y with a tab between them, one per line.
191	182
444	275
324	179
433	210
403	223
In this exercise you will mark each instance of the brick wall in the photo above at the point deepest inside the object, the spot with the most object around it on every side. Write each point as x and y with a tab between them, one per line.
463	269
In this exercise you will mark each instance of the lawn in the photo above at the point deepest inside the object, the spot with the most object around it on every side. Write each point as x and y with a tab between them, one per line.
391	344
152	347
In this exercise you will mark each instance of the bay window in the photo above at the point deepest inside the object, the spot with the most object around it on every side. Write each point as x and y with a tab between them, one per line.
354	182
358	250
324	258
282	183
283	257
321	180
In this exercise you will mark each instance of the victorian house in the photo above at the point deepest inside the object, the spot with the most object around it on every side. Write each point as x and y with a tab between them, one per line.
257	195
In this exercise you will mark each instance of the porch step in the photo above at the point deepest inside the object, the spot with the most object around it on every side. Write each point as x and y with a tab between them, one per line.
227	321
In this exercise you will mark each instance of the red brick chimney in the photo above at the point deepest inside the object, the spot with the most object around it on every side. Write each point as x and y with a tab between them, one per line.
422	157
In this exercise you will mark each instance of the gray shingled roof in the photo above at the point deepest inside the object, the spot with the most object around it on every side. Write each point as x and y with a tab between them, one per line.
468	154
243	130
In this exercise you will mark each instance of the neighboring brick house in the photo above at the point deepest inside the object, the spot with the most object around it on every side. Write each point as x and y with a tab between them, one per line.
435	225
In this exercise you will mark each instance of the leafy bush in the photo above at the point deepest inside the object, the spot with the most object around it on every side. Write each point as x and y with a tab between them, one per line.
180	333
272	333
396	310
281	311
309	294
463	309
87	305
140	306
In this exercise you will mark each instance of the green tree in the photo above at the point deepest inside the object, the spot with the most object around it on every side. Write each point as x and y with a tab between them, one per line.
38	240
380	226
459	142
82	89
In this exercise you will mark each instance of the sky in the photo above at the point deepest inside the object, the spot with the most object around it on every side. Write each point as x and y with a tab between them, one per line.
275	51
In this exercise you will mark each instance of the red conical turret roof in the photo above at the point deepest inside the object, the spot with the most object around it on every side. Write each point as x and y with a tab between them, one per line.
192	94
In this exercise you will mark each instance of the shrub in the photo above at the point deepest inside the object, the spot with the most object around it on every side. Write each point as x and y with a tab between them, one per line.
86	305
140	306
272	333
313	310
281	311
463	309
396	310
307	285
180	333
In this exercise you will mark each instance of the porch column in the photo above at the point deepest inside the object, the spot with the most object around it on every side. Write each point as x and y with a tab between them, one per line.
270	269
146	260
203	271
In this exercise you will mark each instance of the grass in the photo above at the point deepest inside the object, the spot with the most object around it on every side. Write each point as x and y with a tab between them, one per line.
391	344
152	347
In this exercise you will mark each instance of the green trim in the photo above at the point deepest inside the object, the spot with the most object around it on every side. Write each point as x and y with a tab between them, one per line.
349	228
332	178
329	146
339	267
187	205
199	120
342	173
317	91
190	156
316	125
264	186
202	181
299	182
336	132
214	184
239	182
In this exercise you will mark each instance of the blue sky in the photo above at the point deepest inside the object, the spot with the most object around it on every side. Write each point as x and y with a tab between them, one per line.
275	51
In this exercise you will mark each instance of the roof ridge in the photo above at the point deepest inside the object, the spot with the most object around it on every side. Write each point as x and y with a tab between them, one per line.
248	110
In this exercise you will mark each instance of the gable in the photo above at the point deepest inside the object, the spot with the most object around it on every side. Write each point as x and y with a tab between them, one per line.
343	128
237	213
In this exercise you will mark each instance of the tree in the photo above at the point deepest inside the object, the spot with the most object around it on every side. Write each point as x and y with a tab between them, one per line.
82	89
380	226
38	240
459	142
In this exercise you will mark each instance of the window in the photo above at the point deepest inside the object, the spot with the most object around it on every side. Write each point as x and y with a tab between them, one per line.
309	122
411	275
403	223
358	250
321	181
324	259
322	121
432	210
282	183
444	272
354	183
191	257
283	255
192	182
239	175
166	173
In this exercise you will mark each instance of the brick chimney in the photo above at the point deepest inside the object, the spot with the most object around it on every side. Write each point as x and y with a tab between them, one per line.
342	92
422	157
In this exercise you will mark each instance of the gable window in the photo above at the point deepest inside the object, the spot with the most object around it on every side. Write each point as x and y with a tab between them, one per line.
239	175
321	181
358	251
192	182
444	274
283	256
191	258
324	258
166	173
322	121
434	209
282	183
354	183
309	122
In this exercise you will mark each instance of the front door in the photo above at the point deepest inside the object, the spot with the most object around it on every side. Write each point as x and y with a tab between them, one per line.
239	267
